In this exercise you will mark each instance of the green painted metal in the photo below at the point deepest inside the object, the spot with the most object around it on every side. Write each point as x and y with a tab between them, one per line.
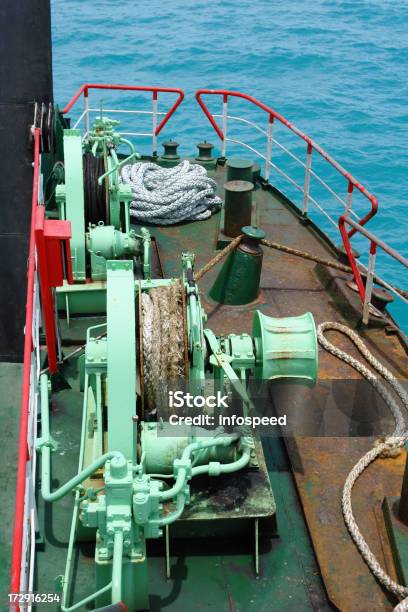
161	451
398	536
89	298
121	334
285	347
238	206
239	278
239	169
70	199
105	242
196	319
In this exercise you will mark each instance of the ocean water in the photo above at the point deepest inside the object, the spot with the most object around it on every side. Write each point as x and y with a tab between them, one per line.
337	69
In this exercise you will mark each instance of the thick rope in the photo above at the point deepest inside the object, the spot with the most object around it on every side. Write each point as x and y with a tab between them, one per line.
164	196
163	345
213	262
385	448
330	263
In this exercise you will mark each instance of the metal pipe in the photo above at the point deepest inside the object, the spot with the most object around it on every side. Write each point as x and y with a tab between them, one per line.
46	455
226	468
117	567
154	123
306	187
74	522
369	283
182	473
224	126
269	148
88	599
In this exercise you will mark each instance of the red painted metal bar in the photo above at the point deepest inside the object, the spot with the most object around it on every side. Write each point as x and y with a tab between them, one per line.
25	394
52	238
375	242
84	89
274	115
46	290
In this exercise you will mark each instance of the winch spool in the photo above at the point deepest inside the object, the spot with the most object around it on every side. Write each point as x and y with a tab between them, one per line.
95	194
163	341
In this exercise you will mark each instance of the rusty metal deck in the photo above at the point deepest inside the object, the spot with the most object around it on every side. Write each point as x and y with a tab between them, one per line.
291	286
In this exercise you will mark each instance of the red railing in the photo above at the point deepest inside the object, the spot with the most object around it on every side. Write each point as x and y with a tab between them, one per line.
84	90
365	289
352	183
23	454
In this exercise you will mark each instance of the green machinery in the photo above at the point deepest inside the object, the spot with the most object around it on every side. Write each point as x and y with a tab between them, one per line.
135	476
89	193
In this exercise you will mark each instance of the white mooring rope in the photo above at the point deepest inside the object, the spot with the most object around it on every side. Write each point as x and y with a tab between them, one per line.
164	196
386	448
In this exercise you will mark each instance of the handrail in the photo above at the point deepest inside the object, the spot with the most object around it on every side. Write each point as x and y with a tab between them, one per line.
23	453
365	290
84	90
311	145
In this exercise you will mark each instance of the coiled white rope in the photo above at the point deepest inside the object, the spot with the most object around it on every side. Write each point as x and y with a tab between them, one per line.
164	196
385	448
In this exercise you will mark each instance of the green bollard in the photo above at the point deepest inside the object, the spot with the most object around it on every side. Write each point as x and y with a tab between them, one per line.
239	278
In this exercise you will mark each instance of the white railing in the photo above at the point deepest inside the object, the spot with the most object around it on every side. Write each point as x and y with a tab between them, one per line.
157	126
267	156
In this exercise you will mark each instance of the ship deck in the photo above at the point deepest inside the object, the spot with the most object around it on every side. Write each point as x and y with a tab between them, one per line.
311	562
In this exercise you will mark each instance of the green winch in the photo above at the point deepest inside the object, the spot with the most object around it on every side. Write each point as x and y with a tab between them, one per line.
135	475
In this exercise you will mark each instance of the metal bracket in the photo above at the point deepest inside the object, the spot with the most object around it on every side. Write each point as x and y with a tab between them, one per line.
49	442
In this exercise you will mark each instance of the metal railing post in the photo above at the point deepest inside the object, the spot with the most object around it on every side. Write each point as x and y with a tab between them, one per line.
224	125
306	187
269	141
369	282
349	199
86	110
154	123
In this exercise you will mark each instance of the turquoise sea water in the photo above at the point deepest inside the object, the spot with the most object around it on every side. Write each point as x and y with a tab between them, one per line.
338	70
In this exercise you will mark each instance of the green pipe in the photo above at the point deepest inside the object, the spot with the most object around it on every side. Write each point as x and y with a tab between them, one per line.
46	454
182	473
129	144
117	567
226	468
173	516
75	481
74	522
118	165
86	600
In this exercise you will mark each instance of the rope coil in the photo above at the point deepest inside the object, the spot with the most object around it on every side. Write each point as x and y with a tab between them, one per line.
165	196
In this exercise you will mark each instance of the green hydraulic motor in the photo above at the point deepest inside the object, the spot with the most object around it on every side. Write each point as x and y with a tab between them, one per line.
156	336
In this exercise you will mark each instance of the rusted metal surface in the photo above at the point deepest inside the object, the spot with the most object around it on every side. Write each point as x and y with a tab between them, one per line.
291	286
